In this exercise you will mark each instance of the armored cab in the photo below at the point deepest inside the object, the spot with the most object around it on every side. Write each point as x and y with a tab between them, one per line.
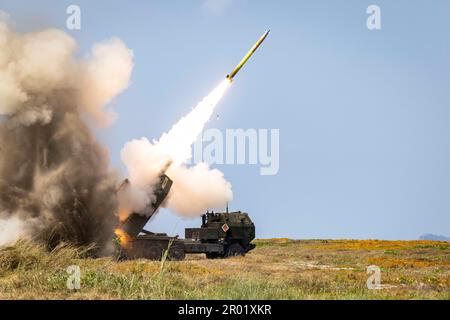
136	242
221	235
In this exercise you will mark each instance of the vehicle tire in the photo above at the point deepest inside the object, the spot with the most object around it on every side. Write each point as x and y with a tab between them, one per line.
234	250
154	252
212	255
176	253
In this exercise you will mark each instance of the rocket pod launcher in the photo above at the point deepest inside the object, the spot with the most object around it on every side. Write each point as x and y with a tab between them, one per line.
136	242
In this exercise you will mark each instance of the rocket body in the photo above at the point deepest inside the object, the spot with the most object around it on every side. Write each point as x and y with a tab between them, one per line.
247	56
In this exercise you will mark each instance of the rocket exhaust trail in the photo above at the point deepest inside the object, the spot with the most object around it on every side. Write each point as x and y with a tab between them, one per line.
146	160
178	141
187	129
195	188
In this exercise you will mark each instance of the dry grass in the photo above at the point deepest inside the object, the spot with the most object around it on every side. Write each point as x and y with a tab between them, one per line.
276	269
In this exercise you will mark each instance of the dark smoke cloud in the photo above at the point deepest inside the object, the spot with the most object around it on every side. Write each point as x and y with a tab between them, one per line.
55	177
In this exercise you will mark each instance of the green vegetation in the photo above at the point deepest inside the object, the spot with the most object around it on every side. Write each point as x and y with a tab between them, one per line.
276	269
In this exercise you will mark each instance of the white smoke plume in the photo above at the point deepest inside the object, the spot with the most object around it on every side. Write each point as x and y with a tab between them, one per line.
105	75
195	189
11	229
54	175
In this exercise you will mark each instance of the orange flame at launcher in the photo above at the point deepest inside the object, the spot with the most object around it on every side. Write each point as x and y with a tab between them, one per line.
123	238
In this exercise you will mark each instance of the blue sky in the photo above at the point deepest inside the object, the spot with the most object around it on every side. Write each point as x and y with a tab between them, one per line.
364	116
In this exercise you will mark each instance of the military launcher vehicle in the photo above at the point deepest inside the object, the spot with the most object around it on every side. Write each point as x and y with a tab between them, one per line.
221	235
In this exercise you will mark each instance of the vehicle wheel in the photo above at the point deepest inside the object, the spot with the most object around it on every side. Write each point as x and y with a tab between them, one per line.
176	253
234	250
154	252
212	255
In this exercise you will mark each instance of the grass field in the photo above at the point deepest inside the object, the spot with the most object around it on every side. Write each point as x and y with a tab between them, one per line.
276	269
